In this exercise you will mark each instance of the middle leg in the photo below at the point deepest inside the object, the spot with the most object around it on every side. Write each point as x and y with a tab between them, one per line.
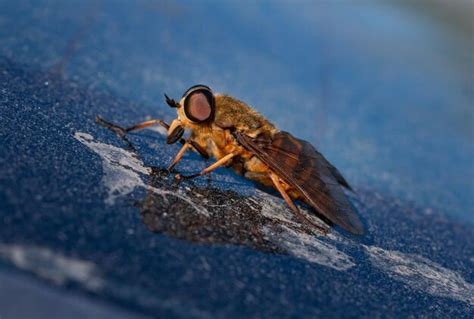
209	169
179	156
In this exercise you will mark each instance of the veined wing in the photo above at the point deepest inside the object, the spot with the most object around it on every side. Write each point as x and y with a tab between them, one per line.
299	164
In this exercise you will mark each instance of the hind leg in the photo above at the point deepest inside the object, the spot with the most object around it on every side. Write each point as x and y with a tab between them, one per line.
279	186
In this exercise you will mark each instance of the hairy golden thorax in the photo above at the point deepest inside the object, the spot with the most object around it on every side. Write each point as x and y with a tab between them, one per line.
217	139
216	136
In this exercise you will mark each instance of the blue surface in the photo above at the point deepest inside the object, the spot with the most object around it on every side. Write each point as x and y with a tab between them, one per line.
383	91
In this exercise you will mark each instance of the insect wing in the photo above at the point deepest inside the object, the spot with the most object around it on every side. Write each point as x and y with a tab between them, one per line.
299	164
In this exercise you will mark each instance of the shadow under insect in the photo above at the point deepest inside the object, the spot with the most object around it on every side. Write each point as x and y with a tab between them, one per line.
212	215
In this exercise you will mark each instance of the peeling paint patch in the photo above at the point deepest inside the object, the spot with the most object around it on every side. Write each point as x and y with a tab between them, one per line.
297	242
121	168
422	274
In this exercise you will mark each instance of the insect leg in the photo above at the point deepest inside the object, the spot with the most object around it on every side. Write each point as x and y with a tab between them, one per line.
145	124
194	145
179	156
277	182
123	131
209	169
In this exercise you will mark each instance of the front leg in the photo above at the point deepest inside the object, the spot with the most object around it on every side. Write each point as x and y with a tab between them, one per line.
122	132
179	156
209	169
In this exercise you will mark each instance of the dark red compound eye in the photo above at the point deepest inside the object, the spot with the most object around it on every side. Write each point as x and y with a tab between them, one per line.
199	105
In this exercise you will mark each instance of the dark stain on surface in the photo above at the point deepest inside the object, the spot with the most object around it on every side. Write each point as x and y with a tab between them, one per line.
229	217
176	217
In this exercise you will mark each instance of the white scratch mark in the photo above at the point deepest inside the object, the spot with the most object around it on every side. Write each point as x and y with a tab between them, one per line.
199	209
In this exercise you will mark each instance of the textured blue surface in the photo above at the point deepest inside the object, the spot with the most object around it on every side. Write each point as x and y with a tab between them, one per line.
384	92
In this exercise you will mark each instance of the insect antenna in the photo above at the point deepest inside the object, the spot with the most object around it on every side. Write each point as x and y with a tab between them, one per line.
171	102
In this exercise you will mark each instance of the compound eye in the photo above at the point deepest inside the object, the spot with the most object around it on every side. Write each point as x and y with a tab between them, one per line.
198	107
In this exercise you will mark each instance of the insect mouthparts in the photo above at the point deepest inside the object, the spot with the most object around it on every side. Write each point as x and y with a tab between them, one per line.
175	135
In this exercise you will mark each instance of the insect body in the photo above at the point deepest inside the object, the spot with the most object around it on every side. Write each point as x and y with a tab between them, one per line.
239	137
